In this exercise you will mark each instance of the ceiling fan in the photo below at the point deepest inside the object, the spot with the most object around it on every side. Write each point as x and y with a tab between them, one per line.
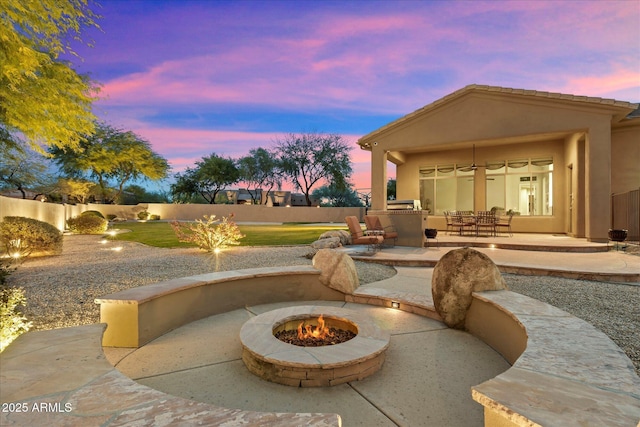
473	163
474	166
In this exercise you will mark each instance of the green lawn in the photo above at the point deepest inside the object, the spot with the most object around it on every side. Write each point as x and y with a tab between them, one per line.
160	234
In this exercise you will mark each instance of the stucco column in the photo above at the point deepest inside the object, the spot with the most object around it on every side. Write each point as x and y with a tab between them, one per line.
480	190
598	182
378	178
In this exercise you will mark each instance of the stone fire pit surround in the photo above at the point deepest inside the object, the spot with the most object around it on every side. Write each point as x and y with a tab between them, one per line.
273	360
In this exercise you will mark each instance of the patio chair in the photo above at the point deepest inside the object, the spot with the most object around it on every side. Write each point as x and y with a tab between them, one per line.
359	238
501	222
374	226
462	220
449	220
486	220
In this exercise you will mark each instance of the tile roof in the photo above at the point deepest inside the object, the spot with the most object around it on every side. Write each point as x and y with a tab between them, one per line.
505	90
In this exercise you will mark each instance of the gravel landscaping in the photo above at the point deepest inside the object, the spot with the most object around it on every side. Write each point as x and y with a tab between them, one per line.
60	290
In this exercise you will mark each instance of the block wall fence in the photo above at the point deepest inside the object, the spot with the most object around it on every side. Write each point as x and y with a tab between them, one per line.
57	214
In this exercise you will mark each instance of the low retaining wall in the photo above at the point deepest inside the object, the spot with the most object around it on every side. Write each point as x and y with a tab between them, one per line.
138	315
565	372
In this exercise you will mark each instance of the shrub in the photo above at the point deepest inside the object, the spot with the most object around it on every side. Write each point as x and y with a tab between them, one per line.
94	213
5	270
12	321
87	224
154	217
211	234
22	236
143	215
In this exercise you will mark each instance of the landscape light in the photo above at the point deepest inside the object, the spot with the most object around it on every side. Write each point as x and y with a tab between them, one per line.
395	304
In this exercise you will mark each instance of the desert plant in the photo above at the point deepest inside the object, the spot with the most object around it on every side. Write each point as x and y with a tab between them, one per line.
211	234
87	224
143	215
22	236
12	321
94	213
6	268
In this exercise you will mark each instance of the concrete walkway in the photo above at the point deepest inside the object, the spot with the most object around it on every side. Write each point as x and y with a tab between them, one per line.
529	254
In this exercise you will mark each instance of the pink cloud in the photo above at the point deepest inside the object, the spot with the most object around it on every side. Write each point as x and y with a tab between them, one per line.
386	59
328	59
620	80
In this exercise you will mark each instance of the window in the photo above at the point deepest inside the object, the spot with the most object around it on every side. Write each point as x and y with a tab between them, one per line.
524	186
446	188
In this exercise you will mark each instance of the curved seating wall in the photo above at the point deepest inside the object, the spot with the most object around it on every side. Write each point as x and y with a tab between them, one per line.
564	371
137	316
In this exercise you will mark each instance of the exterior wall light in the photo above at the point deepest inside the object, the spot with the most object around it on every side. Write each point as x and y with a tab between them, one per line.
395	304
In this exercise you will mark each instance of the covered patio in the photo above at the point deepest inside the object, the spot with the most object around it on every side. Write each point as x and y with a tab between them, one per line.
551	159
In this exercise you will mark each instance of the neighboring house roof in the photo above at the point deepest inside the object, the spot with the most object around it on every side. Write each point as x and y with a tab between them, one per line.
627	109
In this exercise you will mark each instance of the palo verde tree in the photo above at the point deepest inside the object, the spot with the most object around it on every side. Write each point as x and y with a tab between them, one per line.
112	158
310	159
211	175
42	99
259	170
23	169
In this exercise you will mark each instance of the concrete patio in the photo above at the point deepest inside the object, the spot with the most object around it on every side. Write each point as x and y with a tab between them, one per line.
425	380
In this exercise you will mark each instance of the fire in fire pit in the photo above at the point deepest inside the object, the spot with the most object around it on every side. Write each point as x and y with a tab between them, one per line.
310	335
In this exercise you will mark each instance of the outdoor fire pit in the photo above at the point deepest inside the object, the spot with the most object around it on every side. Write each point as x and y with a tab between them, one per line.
358	353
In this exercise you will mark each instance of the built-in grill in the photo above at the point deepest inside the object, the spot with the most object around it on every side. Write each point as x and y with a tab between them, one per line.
404	205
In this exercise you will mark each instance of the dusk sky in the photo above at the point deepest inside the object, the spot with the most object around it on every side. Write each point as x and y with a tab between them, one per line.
202	77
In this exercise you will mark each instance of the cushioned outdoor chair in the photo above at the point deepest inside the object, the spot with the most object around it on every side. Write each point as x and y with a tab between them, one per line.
358	237
374	226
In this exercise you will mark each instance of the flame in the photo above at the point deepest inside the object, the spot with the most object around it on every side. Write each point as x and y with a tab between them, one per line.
319	332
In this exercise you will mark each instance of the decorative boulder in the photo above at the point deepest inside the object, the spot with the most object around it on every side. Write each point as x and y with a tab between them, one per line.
343	235
328	243
337	270
459	273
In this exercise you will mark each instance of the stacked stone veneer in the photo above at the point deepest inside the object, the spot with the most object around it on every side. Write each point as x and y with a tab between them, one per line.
273	360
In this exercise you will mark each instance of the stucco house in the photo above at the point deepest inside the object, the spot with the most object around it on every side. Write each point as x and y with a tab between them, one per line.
555	159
